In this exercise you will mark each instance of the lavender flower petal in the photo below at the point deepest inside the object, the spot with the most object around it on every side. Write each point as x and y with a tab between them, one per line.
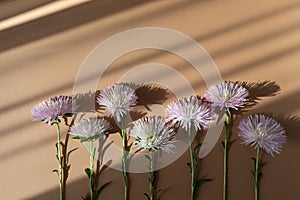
265	132
190	112
227	95
52	109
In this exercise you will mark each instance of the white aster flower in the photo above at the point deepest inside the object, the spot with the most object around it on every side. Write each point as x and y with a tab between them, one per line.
152	133
118	99
190	112
90	129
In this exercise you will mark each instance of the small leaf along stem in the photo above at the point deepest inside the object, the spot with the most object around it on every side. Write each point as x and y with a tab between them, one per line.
124	159
59	158
257	173
192	165
226	145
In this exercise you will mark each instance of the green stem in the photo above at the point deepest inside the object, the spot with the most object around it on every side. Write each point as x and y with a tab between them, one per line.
92	156
192	163
225	154
151	178
124	160
256	178
59	160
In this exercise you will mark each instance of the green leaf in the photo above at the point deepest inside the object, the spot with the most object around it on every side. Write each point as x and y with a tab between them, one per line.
197	146
200	182
223	144
99	189
76	137
194	154
226	124
89	173
56	146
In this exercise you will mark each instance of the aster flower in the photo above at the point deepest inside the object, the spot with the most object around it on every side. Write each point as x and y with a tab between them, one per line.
153	133
51	112
264	132
118	99
227	95
53	109
90	129
189	112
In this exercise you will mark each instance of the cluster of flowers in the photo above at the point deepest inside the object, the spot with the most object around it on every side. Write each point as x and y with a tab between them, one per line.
154	133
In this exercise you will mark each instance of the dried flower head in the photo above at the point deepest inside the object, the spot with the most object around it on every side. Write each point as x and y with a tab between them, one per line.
188	112
53	109
227	95
153	133
90	128
261	131
118	100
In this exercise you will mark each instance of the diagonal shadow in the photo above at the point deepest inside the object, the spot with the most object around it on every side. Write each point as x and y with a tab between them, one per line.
10	8
249	21
212	33
279	54
287	104
63	20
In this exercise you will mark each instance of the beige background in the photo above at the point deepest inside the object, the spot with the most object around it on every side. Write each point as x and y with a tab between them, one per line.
248	40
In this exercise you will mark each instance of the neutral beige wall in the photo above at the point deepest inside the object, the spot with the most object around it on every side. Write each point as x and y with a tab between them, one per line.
248	40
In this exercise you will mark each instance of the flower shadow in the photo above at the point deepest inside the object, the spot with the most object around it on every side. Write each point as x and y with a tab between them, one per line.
149	94
258	90
87	101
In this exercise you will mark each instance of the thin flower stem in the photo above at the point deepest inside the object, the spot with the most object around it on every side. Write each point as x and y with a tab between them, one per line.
92	156
192	166
151	178
124	160
59	158
256	179
225	154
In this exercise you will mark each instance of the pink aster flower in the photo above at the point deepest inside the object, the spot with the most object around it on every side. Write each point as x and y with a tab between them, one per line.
190	112
52	109
261	131
90	129
227	95
118	99
153	133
